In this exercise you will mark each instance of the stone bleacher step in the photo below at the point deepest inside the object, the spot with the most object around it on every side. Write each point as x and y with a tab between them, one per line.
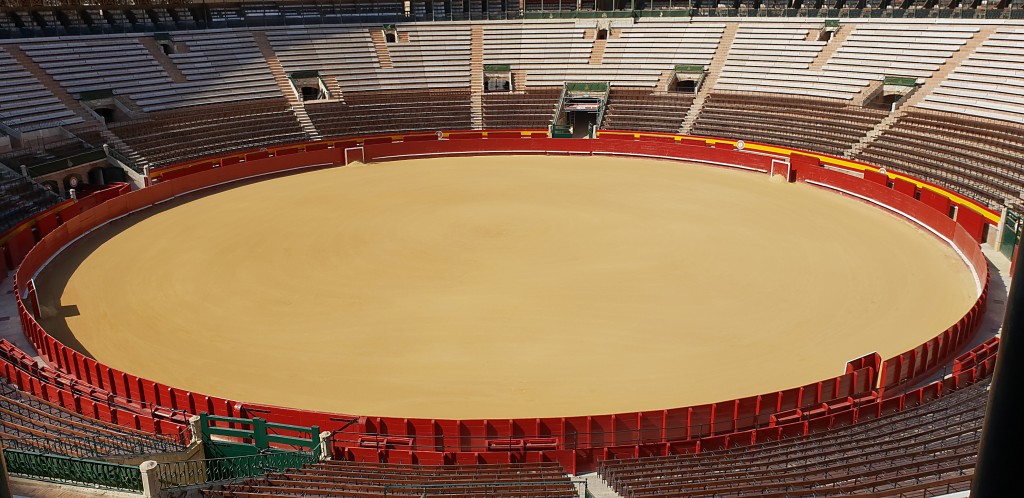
158	54
597	51
718	62
476	60
47	81
381	47
918	95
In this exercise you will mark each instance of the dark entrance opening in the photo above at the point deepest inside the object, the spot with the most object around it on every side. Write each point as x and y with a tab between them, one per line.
311	93
106	113
581	122
686	86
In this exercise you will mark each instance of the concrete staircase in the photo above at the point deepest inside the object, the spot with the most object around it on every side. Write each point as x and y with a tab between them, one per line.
381	47
115	141
597	487
476	76
41	76
165	62
597	51
518	80
334	87
918	94
838	38
718	62
285	85
664	81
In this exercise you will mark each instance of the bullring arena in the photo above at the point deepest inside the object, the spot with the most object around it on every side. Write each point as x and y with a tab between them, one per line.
513	270
398	250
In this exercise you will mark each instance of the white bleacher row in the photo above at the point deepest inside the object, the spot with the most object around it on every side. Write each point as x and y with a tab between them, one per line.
543	49
665	44
770	58
119	63
879	50
331	50
989	83
436	56
24	102
219	67
227	65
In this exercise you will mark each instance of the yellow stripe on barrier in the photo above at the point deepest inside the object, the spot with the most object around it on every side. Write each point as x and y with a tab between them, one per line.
835	161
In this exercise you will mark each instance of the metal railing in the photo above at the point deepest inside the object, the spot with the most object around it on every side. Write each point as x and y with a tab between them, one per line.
66	162
123	159
501	488
195	472
67	470
90	447
336	14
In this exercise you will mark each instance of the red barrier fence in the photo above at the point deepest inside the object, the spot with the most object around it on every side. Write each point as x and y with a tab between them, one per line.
867	389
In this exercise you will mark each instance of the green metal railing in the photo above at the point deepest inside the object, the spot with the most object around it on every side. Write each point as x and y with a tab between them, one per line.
261	432
587	87
312	73
91	446
65	163
195	472
899	81
689	68
67	470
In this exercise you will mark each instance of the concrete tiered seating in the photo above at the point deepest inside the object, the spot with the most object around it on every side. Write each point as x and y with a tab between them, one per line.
976	157
662	45
643	110
392	111
112	62
31	424
86	138
531	109
25	103
365	480
812	124
221	66
21	198
436	56
776	58
331	50
173	136
931	447
989	84
551	52
883	49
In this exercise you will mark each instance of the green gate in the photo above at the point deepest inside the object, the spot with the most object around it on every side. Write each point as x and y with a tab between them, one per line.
1011	234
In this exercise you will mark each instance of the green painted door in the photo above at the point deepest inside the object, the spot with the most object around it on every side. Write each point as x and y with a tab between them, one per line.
1011	234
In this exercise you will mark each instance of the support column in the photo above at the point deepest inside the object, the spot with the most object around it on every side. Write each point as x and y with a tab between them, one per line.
997	473
150	479
5	480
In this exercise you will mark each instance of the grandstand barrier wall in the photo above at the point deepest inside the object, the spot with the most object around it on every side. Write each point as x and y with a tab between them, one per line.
867	389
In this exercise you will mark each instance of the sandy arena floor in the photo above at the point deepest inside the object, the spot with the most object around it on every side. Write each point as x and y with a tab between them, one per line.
498	287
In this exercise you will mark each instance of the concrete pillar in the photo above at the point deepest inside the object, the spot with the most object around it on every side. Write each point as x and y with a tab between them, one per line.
997	473
325	445
150	479
197	429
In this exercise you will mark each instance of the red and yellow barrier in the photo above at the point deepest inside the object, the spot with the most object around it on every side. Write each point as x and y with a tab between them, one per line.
868	388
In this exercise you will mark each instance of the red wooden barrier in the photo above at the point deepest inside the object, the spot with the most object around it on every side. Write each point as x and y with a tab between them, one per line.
571	440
